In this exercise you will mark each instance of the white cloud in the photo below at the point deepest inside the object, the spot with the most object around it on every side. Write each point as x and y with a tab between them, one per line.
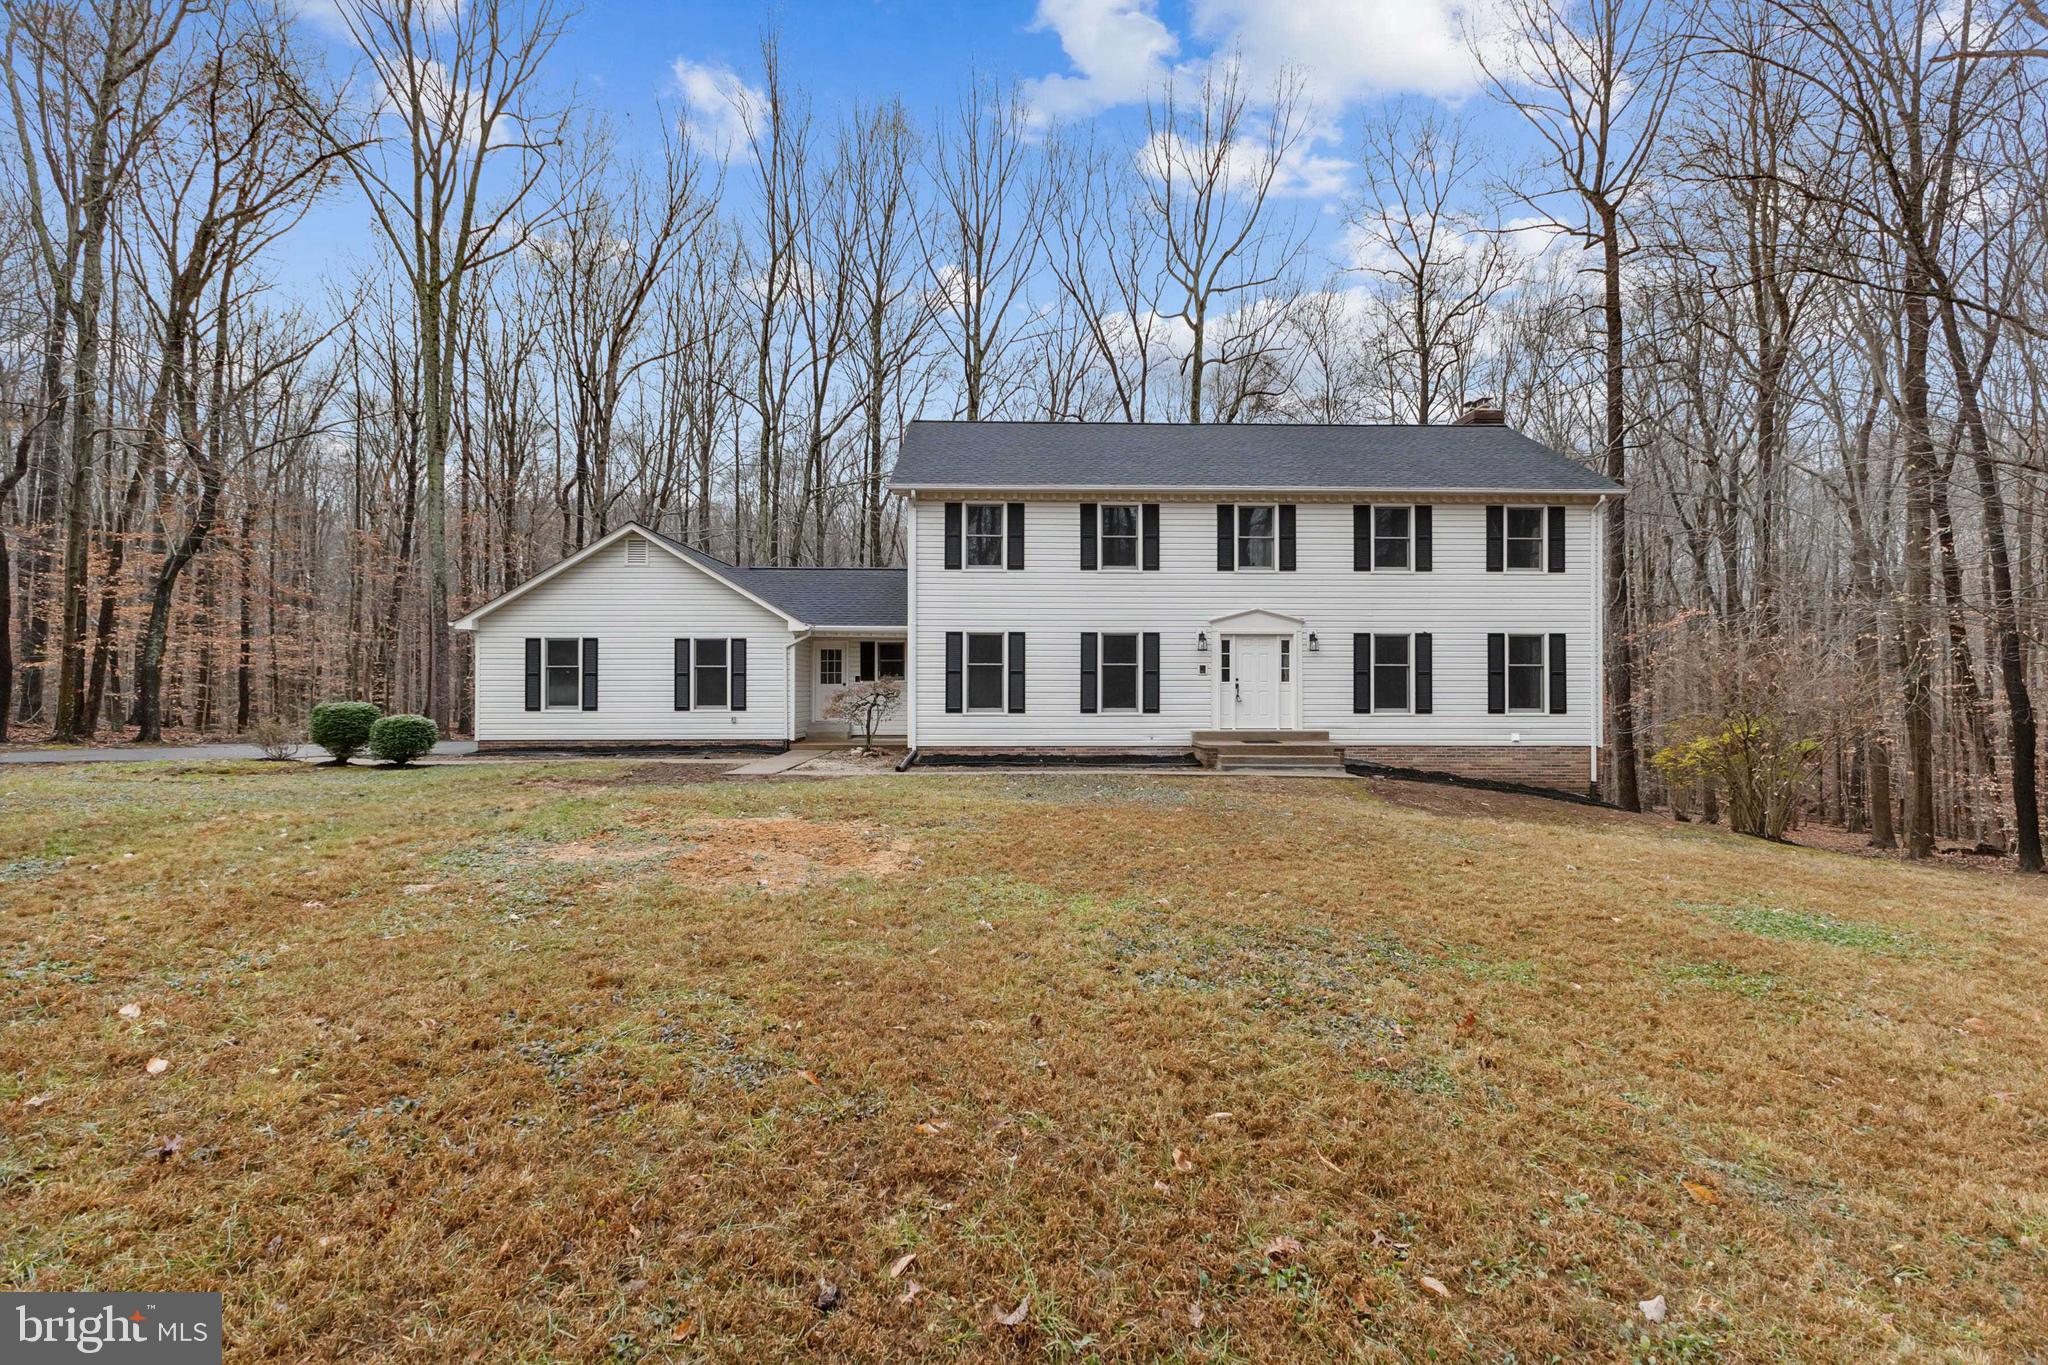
1303	172
721	106
1348	50
1119	50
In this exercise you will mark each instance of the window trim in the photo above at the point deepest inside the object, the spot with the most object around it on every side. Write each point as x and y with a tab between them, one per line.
838	656
1238	537
547	668
968	665
1508	538
1508	667
697	670
1136	666
1137	538
968	536
1407	706
903	663
1407	564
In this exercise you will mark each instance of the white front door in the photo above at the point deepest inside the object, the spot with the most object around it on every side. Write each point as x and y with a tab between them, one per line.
1251	699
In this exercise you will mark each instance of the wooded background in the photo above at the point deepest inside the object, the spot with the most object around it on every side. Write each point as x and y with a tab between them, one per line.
1779	265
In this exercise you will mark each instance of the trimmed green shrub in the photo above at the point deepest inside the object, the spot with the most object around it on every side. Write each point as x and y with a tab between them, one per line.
401	739
342	728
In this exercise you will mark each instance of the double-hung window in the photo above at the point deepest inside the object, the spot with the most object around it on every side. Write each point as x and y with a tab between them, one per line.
1119	672
1392	673
1120	535
1258	531
831	667
1525	538
1526	672
985	673
1392	537
564	673
714	675
984	535
888	658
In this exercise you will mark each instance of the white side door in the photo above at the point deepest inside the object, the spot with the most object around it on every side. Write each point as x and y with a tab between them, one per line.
1251	698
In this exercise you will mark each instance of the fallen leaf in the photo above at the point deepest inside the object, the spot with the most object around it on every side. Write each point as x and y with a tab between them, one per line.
812	1079
633	1287
1469	1023
1282	1248
130	1011
911	1290
682	1329
1653	1309
157	1066
37	1101
1181	1162
902	1264
1701	1194
1380	1239
1329	1163
166	1148
1435	1286
1222	1116
1015	1317
1195	1314
829	1296
933	1126
1162	1187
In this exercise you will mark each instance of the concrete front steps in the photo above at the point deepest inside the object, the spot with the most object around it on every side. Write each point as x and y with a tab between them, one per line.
1269	751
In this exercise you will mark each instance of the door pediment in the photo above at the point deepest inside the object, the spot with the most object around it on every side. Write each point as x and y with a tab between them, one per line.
1256	622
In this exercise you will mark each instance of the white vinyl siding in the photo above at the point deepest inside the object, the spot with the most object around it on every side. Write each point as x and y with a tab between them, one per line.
636	614
1052	601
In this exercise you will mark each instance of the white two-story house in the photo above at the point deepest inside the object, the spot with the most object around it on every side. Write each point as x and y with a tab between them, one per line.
1418	597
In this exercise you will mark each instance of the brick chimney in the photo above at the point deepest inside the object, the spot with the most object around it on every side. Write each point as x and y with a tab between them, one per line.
1481	412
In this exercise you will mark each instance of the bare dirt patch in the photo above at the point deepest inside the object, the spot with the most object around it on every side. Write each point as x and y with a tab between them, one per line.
782	853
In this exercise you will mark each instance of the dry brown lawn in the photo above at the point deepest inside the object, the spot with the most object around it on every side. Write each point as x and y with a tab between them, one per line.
534	1063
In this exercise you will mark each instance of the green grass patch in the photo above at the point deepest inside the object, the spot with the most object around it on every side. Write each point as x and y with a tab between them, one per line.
1801	926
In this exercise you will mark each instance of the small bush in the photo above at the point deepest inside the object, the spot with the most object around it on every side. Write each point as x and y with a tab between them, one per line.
401	739
342	728
1755	759
277	737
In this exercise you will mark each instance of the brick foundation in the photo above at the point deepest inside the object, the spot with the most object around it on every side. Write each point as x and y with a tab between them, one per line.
630	746
1562	767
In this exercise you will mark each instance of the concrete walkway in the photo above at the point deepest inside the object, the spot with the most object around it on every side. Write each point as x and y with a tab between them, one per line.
447	748
771	764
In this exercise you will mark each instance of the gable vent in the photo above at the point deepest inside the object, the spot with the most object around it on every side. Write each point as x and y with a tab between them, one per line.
636	550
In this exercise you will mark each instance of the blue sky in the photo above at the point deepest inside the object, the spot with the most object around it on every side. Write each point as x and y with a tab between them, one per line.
1078	60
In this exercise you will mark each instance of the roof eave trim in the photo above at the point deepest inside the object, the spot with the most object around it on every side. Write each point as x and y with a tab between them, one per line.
653	537
1612	491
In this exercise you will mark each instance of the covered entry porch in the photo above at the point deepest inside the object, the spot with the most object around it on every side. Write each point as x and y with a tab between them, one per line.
829	663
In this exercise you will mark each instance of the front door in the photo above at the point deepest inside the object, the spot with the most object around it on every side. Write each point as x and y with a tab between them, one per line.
1252	696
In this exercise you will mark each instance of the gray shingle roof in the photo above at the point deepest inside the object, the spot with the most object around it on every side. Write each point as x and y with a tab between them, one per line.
1120	455
877	598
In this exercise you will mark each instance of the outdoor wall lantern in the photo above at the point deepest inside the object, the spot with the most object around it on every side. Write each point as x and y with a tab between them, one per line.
1201	642
1314	645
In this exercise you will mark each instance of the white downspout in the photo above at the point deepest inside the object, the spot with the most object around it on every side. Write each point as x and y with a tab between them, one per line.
910	630
1598	579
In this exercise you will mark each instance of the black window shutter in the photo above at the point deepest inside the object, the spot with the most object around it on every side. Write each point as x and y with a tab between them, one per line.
1361	674
1496	675
867	662
1287	537
1425	538
954	646
1226	536
1017	668
1088	523
1557	540
952	535
532	674
1015	558
1496	539
1557	675
737	653
1425	673
1149	516
1088	675
1361	537
1150	643
589	674
682	675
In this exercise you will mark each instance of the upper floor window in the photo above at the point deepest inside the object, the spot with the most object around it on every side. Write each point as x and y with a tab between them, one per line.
1258	531
1525	537
1392	533
1120	535
984	535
